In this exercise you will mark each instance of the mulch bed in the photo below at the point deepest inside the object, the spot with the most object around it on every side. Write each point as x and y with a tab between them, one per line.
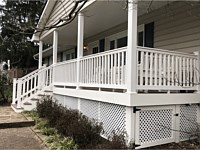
191	144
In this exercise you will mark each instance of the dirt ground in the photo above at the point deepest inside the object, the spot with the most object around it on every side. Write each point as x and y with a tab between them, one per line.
192	144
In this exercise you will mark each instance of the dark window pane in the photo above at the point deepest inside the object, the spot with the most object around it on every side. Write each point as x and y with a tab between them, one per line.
61	56
122	42
149	35
112	44
102	45
95	50
140	38
75	52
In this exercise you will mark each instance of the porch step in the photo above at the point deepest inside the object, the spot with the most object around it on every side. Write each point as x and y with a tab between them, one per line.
41	95
11	119
17	124
27	103
48	91
34	99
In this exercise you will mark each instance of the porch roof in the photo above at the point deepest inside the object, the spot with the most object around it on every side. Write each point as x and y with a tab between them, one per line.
95	12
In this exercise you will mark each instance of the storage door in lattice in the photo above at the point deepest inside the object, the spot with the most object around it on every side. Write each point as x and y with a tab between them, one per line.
154	125
188	121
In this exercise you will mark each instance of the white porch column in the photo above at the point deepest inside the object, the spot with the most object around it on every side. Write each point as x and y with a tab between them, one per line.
80	44
131	59
55	46
198	70
40	54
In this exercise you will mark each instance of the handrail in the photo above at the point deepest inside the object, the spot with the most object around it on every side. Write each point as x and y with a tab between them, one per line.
66	62
30	74
29	84
105	53
156	50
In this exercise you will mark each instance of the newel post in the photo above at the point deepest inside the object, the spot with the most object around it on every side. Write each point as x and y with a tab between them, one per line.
79	45
131	59
14	90
19	93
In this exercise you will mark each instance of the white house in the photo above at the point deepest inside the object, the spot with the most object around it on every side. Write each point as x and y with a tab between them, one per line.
132	65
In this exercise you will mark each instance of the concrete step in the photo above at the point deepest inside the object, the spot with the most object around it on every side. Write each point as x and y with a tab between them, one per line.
11	119
17	124
48	91
35	99
27	103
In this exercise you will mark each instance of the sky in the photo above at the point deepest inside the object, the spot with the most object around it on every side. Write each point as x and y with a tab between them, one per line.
1	2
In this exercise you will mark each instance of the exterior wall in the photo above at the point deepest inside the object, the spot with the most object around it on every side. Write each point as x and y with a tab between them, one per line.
176	27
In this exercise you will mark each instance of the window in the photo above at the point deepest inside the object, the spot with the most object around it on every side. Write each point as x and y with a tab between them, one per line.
149	35
69	54
141	38
102	45
95	50
146	35
112	44
122	42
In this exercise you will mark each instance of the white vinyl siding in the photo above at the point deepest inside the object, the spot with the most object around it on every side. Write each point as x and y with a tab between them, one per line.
177	27
60	11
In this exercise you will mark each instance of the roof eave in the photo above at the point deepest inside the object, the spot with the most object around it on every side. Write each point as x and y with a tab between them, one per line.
43	19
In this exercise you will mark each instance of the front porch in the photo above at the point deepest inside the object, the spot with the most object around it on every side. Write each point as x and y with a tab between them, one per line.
131	70
113	51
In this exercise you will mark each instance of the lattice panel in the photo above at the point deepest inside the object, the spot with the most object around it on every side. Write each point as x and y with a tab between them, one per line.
89	108
188	120
71	102
113	118
59	99
155	125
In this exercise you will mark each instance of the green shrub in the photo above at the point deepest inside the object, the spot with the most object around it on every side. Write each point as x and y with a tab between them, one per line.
45	107
65	144
70	123
48	131
53	138
41	124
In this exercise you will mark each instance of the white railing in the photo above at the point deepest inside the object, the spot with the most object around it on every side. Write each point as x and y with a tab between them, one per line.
65	73
28	85
157	70
45	77
105	70
168	70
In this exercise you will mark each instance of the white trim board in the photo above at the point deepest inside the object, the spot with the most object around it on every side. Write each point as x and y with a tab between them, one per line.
128	99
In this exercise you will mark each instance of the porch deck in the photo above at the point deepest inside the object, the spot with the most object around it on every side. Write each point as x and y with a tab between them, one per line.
157	70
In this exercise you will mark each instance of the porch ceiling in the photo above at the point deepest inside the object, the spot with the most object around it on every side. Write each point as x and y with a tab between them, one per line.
101	16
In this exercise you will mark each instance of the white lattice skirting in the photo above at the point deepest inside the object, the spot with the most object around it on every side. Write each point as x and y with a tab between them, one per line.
152	126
